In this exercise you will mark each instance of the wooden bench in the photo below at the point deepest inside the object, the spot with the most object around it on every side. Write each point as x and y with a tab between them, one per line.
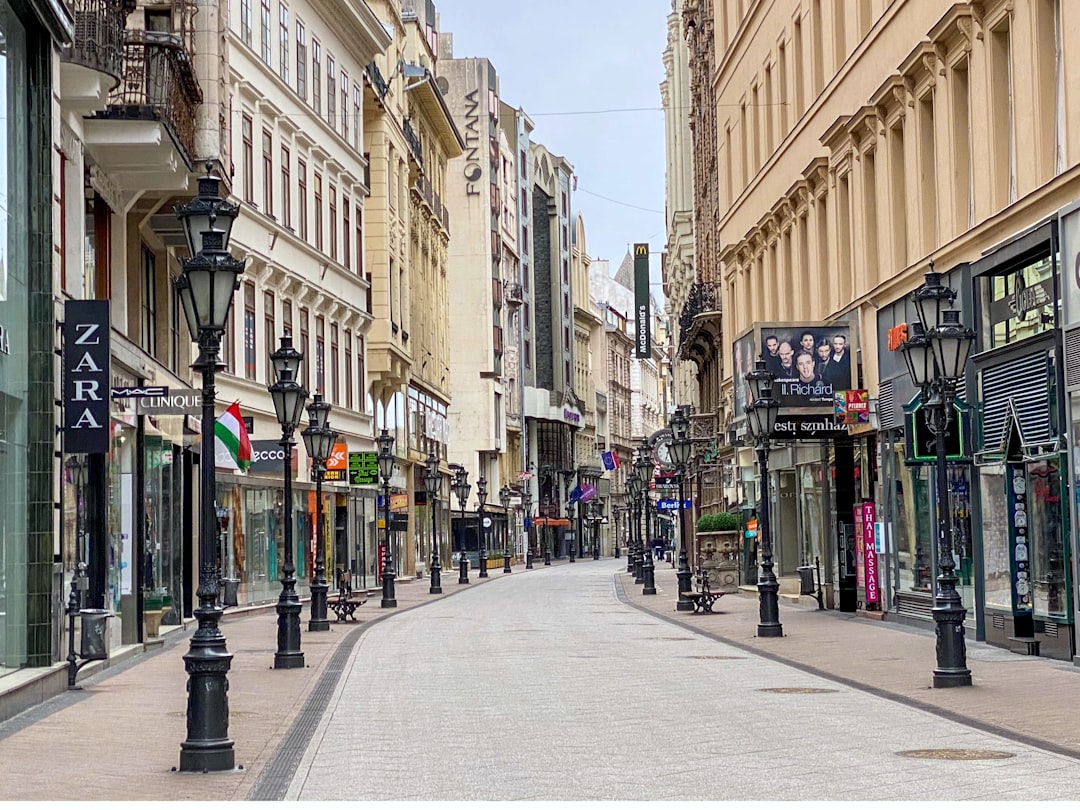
703	598
345	604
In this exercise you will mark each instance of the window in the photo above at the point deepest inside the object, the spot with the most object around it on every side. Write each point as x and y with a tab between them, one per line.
303	347
269	336
334	393
301	187
320	355
898	189
357	106
316	72
318	212
358	223
286	318
148	321
229	343
248	159
249	331
1003	156
264	31
927	172
176	314
348	370
283	44
346	233
268	172
361	373
301	62
333	222
345	105
245	22
528	354
286	189
331	91
964	212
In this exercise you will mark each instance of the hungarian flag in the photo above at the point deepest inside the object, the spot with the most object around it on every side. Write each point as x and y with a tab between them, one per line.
232	448
610	459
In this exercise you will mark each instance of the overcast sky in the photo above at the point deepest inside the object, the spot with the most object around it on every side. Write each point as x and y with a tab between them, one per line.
572	56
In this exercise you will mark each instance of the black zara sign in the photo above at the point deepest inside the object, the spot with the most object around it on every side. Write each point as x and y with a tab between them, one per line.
86	376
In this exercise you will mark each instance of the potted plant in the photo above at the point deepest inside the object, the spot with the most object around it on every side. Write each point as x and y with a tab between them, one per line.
717	540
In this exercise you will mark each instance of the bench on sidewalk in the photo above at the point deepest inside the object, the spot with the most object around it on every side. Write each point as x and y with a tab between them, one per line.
345	604
703	597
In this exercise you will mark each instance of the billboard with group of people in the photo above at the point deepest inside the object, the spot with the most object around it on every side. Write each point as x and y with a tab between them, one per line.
809	363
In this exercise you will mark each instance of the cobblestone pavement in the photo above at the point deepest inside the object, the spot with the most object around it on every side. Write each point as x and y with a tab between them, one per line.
552	686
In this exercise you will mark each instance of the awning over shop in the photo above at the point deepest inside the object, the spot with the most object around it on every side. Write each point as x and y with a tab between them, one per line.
548	521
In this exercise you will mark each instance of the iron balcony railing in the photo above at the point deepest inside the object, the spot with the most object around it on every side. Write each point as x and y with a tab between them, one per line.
413	140
159	85
704	297
377	80
99	35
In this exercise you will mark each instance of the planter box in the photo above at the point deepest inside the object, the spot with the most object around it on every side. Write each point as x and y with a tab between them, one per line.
718	555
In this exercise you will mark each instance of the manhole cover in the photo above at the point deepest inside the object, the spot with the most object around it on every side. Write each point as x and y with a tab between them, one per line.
718	657
955	753
797	690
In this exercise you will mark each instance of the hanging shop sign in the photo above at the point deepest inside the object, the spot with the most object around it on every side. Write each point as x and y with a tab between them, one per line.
337	466
789	428
363	468
86	376
642	310
852	407
866	567
175	402
919	441
138	391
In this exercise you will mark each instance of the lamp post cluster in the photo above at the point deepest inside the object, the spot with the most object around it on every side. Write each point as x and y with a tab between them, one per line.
386	469
319	440
504	498
633	555
681	449
643	469
936	352
761	415
433	484
461	489
596	515
206	285
526	510
289	398
481	500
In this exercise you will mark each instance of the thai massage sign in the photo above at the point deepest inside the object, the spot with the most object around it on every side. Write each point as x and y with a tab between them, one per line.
86	376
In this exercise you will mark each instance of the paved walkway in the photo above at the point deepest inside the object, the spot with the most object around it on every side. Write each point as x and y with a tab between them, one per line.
120	737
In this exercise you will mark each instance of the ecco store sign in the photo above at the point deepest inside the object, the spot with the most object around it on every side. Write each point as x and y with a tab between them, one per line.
86	376
268	457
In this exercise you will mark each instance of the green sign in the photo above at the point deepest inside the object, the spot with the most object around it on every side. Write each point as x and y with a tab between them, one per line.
363	468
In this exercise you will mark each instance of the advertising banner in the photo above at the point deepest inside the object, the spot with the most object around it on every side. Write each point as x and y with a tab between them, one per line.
364	469
268	458
642	314
852	407
809	363
337	466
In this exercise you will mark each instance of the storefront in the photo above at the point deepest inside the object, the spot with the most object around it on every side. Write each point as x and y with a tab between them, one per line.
1021	459
907	493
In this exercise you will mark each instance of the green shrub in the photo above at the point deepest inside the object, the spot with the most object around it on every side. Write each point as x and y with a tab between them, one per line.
718	522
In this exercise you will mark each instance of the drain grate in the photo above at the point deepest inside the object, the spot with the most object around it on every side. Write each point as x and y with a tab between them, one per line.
718	657
955	753
797	690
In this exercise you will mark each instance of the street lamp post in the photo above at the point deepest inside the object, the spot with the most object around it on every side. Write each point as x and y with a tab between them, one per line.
386	469
761	415
644	467
481	498
319	441
289	397
461	488
205	287
936	353
526	511
433	483
681	449
597	510
504	499
633	488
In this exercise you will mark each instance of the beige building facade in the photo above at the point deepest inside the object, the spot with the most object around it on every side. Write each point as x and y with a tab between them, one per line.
857	143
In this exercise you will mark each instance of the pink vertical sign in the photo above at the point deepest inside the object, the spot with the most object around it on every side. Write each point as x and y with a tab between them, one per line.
869	547
860	565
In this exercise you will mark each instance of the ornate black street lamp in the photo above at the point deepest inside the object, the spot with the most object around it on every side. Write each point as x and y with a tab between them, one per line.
526	511
644	466
481	499
596	513
461	489
205	287
761	415
289	398
936	352
319	442
633	489
504	498
433	484
386	469
681	450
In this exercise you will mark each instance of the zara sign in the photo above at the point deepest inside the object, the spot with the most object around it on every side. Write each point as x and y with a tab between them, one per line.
86	376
